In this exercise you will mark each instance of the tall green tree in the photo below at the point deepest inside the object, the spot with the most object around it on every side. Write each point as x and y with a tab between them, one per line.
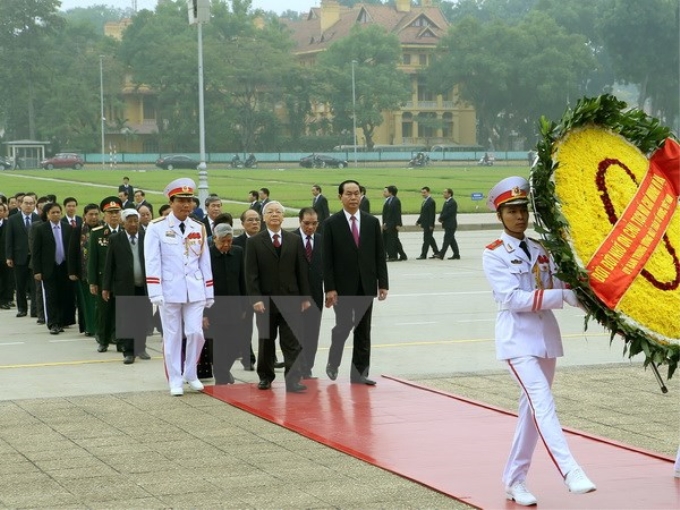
379	85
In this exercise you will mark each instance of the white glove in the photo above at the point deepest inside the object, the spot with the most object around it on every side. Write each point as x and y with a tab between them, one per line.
570	297
209	303
157	300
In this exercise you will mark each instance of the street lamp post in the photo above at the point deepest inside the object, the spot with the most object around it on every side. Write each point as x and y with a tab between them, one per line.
354	113
199	13
101	98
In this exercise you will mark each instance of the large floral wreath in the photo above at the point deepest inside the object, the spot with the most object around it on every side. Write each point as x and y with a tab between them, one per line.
605	192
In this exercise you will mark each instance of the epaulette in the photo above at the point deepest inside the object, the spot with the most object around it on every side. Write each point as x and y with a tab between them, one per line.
156	220
97	228
495	244
195	221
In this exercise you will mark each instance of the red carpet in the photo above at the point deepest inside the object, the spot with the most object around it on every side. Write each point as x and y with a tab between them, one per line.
453	445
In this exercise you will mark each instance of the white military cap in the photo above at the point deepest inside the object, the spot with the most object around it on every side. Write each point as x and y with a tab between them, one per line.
183	187
510	191
126	213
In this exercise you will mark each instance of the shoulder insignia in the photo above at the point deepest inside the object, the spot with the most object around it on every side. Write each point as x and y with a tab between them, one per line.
156	220
196	221
97	228
495	244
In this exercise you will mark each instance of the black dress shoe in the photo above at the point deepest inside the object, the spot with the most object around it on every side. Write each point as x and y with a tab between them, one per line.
392	259
102	348
455	257
249	368
128	360
438	256
295	388
435	256
5	306
403	258
35	316
54	330
264	385
279	364
40	321
21	314
61	329
363	380
331	372
144	355
421	258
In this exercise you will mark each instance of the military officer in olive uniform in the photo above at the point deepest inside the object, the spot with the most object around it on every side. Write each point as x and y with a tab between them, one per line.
105	313
179	281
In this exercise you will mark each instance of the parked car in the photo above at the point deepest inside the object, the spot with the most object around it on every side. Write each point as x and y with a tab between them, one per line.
5	163
63	160
176	161
322	161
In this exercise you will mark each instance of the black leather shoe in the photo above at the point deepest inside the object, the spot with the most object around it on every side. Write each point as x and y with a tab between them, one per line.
264	385
440	257
54	330
21	314
455	257
40	321
403	258
144	355
331	372
249	368
392	259
279	364
128	360
363	380
421	258
5	306
296	388
102	348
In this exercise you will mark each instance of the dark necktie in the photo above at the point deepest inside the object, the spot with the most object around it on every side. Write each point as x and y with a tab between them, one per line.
308	249
73	223
28	222
525	248
277	243
133	240
182	227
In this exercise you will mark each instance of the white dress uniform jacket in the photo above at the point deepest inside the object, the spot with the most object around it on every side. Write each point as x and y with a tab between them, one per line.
526	291
178	265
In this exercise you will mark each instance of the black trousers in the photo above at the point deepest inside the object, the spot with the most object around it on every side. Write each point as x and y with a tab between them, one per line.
428	241
450	240
131	328
311	324
7	284
224	344
352	312
268	324
55	287
25	285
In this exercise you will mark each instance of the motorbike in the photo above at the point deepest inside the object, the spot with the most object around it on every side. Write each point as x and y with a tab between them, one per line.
251	162
236	162
420	160
486	160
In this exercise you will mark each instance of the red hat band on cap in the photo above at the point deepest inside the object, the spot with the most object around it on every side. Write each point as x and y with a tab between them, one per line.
514	193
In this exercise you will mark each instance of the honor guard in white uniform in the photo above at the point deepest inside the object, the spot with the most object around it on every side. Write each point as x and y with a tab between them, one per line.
179	281
522	276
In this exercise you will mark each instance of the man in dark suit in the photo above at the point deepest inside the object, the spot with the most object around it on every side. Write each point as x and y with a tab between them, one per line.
225	321
391	223
449	220
213	208
18	254
364	203
264	200
253	200
276	280
6	273
70	219
250	221
125	277
50	243
140	200
126	202
320	205
311	319
127	187
354	273
426	222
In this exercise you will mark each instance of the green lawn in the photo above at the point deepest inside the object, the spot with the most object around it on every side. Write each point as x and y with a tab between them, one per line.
291	185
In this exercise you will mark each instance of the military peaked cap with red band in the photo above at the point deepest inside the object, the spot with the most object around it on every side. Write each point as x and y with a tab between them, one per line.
111	204
510	191
183	187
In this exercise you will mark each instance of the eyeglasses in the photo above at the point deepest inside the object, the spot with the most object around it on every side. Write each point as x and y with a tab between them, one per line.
310	223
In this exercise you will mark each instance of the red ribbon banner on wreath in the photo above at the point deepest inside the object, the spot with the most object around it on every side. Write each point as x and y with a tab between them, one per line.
636	234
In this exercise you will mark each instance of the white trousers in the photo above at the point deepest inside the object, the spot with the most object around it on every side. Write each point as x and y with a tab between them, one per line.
173	315
537	418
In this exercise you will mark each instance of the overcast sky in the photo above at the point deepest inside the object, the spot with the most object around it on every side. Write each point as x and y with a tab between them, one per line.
268	5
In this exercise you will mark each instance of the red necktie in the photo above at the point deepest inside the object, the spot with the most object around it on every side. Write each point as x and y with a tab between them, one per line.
308	249
277	243
355	230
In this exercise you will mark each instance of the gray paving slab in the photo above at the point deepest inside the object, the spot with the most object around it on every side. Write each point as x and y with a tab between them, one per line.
78	429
